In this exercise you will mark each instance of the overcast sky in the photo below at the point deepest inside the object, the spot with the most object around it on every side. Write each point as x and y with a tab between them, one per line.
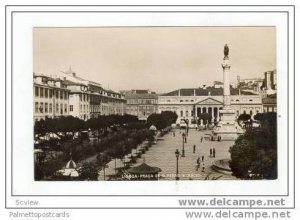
158	58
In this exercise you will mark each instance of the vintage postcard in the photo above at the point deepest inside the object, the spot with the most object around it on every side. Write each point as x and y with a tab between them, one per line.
155	103
168	107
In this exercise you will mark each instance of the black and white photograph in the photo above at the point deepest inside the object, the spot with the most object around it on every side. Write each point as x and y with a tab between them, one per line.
155	103
150	111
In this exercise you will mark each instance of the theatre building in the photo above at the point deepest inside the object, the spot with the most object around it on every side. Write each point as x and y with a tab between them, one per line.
191	102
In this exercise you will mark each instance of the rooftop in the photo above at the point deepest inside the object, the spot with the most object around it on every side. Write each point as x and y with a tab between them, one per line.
271	99
140	96
205	92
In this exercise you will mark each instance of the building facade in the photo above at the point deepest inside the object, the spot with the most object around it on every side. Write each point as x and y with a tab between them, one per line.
67	94
79	100
51	97
141	103
190	103
113	103
91	98
270	103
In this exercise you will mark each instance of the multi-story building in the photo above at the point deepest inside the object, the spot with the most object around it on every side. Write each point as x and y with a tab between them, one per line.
270	103
96	99
51	97
141	103
190	103
67	94
113	103
79	100
90	99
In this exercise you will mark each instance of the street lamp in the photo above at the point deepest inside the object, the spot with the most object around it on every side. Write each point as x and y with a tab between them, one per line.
183	140
177	156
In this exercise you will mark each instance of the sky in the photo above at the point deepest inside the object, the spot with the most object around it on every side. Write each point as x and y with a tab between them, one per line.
162	59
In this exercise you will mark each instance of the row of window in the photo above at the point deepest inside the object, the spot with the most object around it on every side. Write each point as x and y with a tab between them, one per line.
136	107
41	107
84	97
270	109
95	108
245	112
100	99
49	93
142	101
186	113
97	99
84	108
192	113
181	100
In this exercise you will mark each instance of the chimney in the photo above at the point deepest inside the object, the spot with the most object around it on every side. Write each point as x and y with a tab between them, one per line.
194	92
179	92
208	93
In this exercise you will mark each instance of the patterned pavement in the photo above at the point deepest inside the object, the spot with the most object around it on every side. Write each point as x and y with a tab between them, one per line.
162	155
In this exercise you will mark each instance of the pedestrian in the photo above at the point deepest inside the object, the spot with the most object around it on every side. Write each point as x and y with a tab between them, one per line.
203	166
210	152
184	139
194	148
198	164
201	139
173	133
202	158
214	152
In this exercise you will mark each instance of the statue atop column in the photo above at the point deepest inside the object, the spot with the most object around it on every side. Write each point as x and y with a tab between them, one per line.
227	128
226	51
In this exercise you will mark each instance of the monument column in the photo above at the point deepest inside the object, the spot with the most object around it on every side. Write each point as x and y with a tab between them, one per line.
226	78
227	128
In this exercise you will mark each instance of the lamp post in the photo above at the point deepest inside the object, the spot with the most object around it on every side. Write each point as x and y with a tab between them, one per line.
187	128
177	156
183	140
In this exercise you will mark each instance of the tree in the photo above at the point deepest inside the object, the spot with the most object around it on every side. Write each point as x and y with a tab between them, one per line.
162	120
40	127
157	120
116	151
88	171
254	154
245	119
169	117
267	118
205	117
49	167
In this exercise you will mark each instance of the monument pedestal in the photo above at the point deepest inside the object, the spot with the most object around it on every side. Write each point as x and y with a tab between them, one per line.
227	128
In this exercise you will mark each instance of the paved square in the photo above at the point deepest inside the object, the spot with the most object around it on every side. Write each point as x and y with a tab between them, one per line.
162	155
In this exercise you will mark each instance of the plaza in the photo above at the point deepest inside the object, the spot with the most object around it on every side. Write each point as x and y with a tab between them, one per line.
121	122
162	155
